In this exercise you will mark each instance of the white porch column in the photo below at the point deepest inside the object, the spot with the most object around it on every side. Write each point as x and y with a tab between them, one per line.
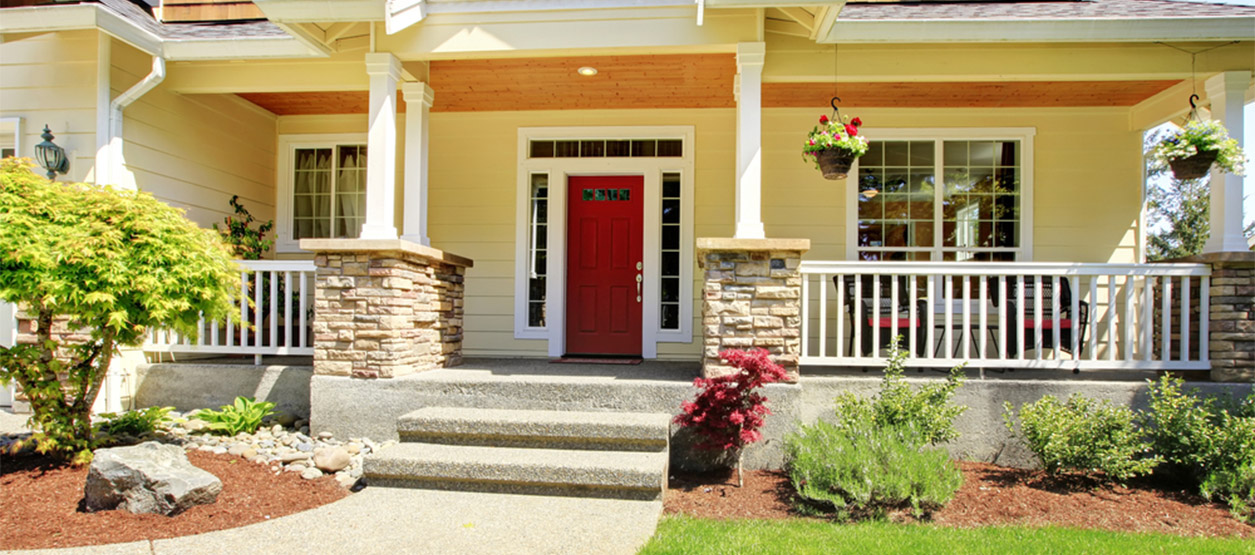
418	99
1227	92
381	147
749	140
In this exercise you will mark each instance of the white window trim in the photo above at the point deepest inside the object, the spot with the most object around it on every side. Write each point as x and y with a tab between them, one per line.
284	243
16	122
1023	134
559	169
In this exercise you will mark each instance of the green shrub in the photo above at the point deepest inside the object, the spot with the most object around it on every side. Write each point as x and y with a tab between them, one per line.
245	415
928	409
133	422
1083	435
109	262
1235	487
865	470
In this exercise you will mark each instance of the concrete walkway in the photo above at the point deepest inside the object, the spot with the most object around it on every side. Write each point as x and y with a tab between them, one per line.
395	521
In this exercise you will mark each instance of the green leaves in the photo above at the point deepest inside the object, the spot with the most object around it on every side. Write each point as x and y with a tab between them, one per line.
1084	435
108	262
244	415
1199	136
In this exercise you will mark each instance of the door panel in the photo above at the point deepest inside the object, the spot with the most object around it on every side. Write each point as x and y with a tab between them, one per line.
604	239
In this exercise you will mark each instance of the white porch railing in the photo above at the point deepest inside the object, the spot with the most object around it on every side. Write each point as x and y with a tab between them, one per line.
1006	315
276	304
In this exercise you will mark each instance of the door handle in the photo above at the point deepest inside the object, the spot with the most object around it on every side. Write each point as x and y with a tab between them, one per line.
639	279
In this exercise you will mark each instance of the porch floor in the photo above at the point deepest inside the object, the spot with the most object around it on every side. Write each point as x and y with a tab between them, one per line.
484	368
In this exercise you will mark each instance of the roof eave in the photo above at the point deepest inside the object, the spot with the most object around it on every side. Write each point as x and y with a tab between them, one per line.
1041	30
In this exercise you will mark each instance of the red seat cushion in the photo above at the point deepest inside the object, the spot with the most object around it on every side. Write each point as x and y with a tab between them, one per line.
887	322
1064	323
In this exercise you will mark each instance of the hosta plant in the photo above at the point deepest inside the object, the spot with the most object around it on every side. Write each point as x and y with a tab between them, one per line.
244	415
132	422
728	410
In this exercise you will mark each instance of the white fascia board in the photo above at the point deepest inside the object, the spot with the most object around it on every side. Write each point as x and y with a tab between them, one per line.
769	3
79	16
239	48
311	11
1065	30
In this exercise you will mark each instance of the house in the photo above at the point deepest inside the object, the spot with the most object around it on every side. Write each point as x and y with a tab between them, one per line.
534	179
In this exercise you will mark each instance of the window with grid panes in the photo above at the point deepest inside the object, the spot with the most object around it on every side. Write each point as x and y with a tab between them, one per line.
950	200
669	311
537	248
328	191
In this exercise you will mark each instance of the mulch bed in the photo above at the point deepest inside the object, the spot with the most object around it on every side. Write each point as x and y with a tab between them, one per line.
40	503
990	496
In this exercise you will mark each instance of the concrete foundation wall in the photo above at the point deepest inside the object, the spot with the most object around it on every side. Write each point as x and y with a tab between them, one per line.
197	386
352	407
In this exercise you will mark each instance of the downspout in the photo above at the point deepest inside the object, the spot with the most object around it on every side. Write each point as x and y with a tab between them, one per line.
119	104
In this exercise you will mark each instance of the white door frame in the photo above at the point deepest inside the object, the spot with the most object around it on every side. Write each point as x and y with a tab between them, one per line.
558	171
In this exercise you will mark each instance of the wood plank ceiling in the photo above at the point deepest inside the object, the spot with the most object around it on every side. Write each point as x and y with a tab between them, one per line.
691	81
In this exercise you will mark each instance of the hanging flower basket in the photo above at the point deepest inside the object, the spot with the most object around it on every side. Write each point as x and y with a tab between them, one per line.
834	144
835	163
1193	167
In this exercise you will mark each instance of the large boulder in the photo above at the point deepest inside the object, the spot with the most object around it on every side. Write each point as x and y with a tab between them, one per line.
148	478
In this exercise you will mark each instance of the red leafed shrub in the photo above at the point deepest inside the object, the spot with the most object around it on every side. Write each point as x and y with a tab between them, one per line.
728	411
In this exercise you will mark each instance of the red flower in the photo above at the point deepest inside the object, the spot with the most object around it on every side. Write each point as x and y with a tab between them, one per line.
823	119
851	130
856	122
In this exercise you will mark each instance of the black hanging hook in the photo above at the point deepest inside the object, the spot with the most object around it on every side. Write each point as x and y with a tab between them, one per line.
1193	106
836	112
1193	115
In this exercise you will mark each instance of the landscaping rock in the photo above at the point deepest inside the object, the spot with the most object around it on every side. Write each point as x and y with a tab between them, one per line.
311	474
147	478
332	459
195	425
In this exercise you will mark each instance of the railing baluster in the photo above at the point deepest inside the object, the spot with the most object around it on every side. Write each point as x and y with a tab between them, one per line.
274	308
984	316
947	330
1075	314
823	320
915	316
966	310
806	324
930	350
1113	312
840	314
1003	303
1165	320
1038	310
1204	319
1056	333
306	277
1020	282
1185	318
893	307
857	309
1130	311
1148	318
875	315
1092	298
287	309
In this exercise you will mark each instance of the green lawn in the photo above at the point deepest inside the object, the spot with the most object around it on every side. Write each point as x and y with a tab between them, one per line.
694	536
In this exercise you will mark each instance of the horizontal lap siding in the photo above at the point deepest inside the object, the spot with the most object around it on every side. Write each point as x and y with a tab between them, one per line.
50	79
196	151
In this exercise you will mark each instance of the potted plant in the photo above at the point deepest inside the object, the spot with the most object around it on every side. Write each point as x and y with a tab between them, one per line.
1191	151
833	145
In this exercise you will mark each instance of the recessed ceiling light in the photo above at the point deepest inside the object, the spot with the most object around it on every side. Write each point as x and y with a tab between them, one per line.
587	71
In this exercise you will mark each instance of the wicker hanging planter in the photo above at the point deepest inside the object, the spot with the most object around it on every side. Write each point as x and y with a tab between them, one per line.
1193	167
834	163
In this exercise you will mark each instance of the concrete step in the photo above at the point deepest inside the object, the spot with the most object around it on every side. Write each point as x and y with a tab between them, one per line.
613	431
611	474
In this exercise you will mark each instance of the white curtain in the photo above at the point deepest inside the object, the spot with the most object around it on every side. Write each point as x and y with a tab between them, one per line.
312	183
350	194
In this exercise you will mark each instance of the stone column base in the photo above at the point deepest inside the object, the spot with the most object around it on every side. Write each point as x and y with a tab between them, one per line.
385	308
751	298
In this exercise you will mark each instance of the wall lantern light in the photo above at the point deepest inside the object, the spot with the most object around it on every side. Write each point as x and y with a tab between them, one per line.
50	156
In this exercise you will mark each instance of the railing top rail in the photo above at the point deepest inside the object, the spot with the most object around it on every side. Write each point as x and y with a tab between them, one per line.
277	265
1002	268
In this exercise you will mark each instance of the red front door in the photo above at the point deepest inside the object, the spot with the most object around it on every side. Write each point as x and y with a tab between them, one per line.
604	246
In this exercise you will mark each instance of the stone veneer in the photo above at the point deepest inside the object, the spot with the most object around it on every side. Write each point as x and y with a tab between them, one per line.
385	308
751	298
1232	316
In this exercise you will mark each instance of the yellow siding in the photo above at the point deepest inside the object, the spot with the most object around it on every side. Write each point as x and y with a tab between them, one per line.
51	79
196	151
1086	190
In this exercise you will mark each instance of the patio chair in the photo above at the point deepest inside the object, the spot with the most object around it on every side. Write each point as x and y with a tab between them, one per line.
1032	327
883	317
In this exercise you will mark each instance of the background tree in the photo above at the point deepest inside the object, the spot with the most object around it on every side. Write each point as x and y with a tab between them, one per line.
111	263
